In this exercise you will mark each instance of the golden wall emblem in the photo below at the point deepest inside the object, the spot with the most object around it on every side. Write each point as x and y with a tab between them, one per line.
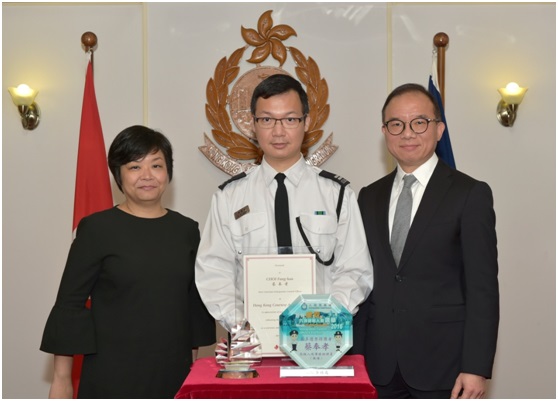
242	151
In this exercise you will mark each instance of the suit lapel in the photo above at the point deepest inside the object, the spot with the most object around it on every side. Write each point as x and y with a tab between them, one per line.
433	196
383	215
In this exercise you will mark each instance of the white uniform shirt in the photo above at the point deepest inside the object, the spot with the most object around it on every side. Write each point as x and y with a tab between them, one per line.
226	238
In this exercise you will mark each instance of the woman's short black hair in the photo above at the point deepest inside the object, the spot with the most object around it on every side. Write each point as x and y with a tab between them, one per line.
134	143
277	85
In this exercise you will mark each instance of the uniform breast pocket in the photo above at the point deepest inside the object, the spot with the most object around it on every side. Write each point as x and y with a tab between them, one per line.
249	230
320	231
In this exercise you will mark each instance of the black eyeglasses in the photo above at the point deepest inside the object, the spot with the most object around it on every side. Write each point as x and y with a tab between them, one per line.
418	125
287	122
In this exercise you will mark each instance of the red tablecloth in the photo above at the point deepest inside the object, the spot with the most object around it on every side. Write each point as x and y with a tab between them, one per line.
202	383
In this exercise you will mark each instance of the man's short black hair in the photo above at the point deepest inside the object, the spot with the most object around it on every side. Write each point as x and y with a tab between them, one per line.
276	85
409	88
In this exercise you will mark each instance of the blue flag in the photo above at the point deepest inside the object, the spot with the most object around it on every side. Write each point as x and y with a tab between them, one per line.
443	148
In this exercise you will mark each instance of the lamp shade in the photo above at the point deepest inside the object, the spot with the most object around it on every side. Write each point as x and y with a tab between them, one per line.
23	95
512	93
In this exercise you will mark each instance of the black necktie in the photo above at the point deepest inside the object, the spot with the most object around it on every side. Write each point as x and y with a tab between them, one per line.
282	223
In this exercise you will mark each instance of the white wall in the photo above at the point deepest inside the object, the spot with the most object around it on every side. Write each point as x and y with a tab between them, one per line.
152	65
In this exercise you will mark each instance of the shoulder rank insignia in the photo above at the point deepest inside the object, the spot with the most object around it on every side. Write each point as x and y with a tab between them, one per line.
337	178
236	177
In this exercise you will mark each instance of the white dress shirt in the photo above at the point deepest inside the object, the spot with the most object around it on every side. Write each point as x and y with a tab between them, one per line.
422	174
229	235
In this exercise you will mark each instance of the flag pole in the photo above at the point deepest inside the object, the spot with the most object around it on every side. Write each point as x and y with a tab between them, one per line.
89	42
441	40
93	192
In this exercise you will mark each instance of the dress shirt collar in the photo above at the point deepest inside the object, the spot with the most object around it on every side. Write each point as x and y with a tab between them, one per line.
422	173
294	173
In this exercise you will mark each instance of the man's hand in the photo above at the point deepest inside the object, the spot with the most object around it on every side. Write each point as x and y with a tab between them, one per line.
468	385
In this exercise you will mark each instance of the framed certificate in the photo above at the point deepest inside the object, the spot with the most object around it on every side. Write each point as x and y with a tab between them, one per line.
271	284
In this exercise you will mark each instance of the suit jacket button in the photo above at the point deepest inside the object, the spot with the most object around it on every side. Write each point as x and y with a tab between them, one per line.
398	278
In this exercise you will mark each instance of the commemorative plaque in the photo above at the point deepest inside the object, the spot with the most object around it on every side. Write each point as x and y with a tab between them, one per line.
316	331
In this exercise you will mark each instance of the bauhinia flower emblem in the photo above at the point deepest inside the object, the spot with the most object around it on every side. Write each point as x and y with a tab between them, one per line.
267	39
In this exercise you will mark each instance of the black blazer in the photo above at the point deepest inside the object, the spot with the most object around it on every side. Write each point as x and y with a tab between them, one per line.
437	315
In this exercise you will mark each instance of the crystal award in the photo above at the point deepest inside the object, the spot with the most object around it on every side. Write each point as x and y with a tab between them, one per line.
315	331
239	353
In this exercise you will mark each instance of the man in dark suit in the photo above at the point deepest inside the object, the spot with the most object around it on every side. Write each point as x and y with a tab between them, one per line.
430	326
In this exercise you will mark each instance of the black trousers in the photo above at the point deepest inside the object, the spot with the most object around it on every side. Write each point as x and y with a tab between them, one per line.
397	388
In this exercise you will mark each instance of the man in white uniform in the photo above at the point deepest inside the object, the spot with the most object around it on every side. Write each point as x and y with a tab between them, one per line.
323	212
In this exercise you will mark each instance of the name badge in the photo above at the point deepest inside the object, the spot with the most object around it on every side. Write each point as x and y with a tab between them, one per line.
241	212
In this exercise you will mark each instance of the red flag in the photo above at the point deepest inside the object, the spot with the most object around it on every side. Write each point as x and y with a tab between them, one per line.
93	192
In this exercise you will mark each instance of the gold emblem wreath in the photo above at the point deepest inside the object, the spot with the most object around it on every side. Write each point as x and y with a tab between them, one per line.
267	40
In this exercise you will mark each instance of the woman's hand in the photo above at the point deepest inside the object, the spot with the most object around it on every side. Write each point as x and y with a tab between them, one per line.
62	381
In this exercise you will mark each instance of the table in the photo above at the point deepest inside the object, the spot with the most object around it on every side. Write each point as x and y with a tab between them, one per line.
202	383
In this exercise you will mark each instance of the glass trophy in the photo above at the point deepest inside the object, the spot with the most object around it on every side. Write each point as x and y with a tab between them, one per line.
316	331
239	353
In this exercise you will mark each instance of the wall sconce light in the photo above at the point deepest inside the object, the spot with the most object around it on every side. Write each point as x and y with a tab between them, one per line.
512	95
24	98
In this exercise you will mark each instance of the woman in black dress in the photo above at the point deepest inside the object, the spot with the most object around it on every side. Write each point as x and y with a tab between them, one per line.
136	263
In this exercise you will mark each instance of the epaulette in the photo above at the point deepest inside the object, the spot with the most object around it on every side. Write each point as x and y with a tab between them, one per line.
337	178
341	181
234	178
